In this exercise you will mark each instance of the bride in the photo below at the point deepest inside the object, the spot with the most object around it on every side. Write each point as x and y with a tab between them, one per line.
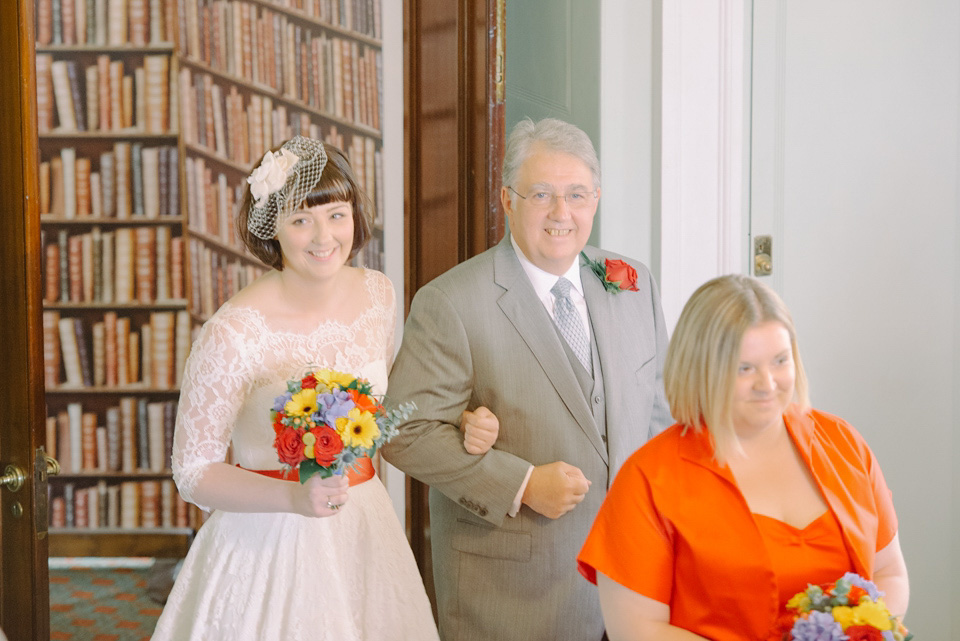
277	560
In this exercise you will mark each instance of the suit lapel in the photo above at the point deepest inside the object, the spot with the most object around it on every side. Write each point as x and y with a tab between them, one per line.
519	303
600	307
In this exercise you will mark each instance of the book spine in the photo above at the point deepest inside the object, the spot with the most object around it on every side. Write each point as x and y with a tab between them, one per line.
86	265
108	184
136	178
76	96
123	357
122	179
63	442
45	98
145	263
128	434
51	273
102	448
107	254
155	435
44	22
162	253
83	353
82	186
88	441
70	352
68	158
75	417
114	439
99	355
142	436
51	349
92	83
123	255
110	348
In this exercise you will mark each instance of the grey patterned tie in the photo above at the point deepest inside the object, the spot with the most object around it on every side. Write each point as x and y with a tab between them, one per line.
570	322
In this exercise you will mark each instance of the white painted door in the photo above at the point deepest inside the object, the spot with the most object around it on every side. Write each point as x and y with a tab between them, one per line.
855	174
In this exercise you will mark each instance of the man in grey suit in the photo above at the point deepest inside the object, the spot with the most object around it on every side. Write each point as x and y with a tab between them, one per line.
572	369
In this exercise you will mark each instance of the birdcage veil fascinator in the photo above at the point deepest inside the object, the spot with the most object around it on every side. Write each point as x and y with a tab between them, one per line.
282	181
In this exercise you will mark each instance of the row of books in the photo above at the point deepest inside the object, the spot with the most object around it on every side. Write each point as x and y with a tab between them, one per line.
333	74
240	126
105	22
113	352
212	202
128	505
129	181
362	16
126	265
134	435
216	277
105	96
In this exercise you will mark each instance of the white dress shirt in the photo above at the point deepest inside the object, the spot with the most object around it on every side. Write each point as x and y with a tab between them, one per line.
542	283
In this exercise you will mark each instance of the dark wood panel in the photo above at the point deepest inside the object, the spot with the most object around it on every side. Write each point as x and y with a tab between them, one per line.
23	589
453	137
121	543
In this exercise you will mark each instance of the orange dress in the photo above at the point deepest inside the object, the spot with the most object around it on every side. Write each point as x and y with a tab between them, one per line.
675	527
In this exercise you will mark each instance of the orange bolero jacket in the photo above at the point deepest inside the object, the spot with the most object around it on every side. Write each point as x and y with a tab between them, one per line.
674	526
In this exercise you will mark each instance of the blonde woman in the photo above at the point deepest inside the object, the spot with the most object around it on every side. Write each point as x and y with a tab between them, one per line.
713	525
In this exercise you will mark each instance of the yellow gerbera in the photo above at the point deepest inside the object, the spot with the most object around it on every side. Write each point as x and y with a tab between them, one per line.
358	429
303	403
874	614
844	615
328	378
799	602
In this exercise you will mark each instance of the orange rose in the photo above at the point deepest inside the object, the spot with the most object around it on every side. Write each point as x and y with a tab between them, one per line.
327	445
863	633
289	446
622	275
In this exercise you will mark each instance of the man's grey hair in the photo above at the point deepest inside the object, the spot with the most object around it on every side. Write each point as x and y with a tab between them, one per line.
556	135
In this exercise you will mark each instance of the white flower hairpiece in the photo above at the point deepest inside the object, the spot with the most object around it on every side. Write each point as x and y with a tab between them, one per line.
271	175
282	181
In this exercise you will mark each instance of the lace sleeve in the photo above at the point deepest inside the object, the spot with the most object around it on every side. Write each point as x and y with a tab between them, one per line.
216	379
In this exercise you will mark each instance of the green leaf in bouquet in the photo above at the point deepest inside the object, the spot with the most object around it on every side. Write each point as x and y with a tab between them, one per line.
310	468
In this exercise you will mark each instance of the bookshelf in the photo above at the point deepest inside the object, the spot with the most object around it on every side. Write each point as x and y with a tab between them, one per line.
150	115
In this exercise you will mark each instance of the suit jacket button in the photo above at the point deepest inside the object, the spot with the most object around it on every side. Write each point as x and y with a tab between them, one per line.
597	399
464	502
483	511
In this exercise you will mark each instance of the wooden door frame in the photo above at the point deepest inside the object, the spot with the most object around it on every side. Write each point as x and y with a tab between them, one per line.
24	584
453	87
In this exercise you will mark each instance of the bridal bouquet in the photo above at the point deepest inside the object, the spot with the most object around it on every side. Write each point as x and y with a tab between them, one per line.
851	608
327	420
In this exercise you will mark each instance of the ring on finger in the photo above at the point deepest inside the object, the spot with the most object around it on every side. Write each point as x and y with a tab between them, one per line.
334	506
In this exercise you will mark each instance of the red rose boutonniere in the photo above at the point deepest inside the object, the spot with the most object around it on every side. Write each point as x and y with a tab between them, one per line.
616	275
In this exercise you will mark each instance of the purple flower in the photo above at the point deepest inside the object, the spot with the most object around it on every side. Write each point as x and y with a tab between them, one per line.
280	401
333	406
855	579
820	626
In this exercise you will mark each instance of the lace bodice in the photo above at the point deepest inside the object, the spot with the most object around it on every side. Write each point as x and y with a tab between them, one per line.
239	364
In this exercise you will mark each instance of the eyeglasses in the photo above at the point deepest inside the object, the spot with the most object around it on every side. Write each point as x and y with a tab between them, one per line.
576	200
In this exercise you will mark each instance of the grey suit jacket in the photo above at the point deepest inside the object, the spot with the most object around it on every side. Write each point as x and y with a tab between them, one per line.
478	335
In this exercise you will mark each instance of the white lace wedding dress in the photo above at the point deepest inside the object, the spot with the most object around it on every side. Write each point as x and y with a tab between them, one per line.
282	576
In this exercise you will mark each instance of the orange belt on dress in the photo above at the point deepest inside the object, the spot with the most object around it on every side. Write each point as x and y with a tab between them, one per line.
360	472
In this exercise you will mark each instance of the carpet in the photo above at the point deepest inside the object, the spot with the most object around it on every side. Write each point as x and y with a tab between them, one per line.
101	601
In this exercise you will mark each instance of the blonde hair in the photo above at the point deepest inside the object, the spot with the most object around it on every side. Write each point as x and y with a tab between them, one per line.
704	353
